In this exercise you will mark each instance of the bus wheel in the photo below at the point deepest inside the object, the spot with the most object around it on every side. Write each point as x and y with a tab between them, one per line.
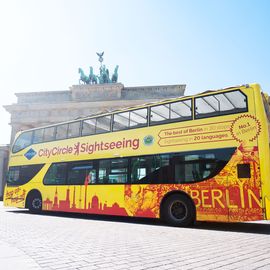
178	210
34	202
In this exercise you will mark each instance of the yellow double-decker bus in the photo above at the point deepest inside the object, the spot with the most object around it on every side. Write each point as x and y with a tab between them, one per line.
203	157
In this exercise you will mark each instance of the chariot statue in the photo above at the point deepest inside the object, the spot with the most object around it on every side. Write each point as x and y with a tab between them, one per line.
104	74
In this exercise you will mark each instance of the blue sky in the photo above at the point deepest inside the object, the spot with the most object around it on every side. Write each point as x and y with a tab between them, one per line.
205	44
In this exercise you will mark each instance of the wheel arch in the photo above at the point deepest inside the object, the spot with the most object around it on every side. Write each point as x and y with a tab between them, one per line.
29	194
179	192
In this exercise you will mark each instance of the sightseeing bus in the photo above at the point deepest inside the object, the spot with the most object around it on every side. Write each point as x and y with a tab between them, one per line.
193	158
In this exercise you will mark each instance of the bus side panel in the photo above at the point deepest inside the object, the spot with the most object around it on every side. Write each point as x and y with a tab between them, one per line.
223	198
14	197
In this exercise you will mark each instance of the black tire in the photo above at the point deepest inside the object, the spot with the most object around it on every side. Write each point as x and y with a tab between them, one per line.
34	202
178	210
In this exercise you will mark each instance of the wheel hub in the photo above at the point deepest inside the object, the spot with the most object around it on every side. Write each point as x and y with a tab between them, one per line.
178	210
36	203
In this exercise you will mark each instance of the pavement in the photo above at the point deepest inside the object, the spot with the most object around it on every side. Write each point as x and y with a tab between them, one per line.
75	241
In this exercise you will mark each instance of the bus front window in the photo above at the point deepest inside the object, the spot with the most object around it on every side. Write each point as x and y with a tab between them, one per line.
24	140
20	175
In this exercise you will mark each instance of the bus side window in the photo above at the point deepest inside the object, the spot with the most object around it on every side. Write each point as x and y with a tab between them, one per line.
56	175
61	132
49	134
181	110
103	124
138	118
118	171
103	172
139	169
152	169
121	121
171	112
13	175
220	104
74	129
79	173
38	136
113	171
197	166
160	114
89	126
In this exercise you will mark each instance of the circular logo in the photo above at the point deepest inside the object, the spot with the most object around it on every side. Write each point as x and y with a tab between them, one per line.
148	140
245	128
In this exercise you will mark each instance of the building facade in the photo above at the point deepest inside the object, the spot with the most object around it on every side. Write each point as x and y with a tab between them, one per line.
35	109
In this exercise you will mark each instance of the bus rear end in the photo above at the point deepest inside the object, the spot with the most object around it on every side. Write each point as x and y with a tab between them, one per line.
263	113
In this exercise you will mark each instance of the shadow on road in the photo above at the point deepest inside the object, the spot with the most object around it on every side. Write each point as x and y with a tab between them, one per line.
246	227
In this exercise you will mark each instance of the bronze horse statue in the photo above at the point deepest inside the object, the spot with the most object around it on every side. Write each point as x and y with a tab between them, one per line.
115	75
92	77
83	78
